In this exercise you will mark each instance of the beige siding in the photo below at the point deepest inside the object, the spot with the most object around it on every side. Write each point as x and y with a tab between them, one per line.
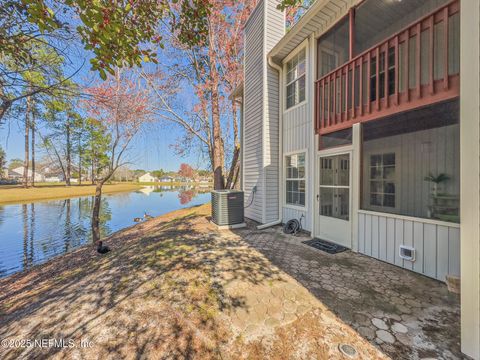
470	175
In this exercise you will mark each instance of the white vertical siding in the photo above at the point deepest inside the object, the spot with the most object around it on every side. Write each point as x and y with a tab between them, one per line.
263	30
297	132
437	245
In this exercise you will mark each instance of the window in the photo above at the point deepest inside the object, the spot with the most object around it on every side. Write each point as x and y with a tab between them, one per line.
296	79
382	180
295	179
335	186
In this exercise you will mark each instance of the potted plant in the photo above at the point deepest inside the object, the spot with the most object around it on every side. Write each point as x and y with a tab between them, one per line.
436	180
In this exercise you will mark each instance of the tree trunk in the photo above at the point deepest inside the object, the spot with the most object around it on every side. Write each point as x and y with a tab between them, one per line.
25	236
69	155
27	142
218	156
96	213
79	164
235	165
33	148
93	166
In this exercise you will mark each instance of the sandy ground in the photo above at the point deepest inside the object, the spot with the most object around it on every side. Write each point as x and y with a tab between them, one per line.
171	288
14	194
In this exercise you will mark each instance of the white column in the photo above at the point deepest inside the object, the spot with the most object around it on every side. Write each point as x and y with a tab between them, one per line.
313	146
355	185
470	176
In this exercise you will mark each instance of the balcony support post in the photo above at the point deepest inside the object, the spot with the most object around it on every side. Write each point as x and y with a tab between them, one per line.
419	61
446	84
431	56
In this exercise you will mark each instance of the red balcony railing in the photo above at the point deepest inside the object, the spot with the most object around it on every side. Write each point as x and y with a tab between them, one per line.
418	66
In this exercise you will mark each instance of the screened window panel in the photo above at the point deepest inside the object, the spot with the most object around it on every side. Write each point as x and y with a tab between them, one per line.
438	49
412	56
424	57
454	44
411	163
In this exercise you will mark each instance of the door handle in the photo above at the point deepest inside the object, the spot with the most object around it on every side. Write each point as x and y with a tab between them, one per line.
318	197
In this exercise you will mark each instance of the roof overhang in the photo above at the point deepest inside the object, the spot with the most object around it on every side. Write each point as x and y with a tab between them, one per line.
237	93
319	18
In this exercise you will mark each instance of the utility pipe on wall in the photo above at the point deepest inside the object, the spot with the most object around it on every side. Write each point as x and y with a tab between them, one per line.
279	69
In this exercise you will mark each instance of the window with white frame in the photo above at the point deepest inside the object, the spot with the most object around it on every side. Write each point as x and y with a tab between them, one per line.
296	79
382	180
295	179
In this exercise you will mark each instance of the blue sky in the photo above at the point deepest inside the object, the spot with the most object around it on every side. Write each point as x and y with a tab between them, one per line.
151	150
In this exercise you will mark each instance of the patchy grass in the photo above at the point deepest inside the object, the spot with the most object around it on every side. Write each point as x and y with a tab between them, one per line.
13	194
171	288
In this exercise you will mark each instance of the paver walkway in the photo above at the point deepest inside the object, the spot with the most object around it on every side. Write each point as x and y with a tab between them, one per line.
177	288
171	288
408	316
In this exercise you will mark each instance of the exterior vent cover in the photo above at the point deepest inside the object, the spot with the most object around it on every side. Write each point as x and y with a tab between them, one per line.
227	207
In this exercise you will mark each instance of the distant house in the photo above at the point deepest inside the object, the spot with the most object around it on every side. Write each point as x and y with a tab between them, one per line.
147	178
205	180
54	178
17	174
166	179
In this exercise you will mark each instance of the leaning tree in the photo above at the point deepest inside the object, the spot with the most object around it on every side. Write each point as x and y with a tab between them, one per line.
121	104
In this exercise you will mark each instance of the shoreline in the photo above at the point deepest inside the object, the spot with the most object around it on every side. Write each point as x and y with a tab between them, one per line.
114	240
15	194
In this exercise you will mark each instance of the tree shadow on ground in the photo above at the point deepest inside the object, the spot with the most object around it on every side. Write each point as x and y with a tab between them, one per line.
358	289
161	289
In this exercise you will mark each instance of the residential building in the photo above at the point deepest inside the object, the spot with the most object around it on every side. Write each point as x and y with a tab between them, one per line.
18	173
166	179
362	121
147	178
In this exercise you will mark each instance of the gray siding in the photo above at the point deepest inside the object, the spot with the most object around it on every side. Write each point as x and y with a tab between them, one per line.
437	246
253	113
418	154
261	118
273	33
297	132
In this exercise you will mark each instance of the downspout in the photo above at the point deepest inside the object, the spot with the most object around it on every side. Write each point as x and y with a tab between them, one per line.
279	69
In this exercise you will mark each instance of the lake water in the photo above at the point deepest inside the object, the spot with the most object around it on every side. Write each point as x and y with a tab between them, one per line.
33	233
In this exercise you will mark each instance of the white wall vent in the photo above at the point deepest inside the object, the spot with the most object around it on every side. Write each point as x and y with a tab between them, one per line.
407	253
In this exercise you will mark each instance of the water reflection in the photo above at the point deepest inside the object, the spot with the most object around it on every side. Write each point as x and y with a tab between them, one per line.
33	233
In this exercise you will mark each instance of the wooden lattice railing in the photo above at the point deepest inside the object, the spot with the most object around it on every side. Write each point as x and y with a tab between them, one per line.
415	67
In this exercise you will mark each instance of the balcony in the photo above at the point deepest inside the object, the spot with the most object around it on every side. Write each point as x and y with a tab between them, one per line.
415	67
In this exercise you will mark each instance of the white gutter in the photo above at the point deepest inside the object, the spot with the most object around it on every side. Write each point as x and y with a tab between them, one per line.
304	20
279	69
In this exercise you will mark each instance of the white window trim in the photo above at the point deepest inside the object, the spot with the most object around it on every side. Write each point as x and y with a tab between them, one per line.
384	209
302	46
284	182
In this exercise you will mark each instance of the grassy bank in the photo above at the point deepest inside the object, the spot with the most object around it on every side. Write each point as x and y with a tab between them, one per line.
16	195
173	287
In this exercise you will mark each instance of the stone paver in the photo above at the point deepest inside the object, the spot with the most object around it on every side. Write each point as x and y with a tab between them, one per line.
406	315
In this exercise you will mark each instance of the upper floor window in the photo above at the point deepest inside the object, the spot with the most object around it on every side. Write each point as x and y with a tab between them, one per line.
296	79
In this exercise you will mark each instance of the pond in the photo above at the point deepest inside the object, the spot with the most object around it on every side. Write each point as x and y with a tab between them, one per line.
33	233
